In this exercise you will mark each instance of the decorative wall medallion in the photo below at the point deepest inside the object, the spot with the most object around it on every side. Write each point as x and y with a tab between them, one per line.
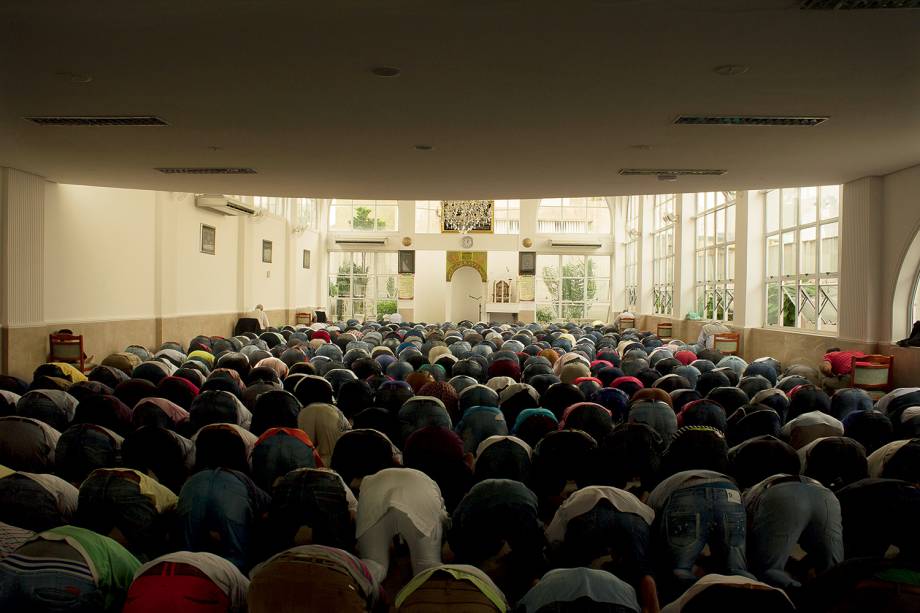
527	242
467	242
406	241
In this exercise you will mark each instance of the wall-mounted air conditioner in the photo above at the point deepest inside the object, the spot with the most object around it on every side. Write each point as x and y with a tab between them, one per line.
571	244
362	242
224	205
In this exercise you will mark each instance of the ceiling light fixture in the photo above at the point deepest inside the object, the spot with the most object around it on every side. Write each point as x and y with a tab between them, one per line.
424	147
803	121
731	70
75	77
678	172
641	147
386	72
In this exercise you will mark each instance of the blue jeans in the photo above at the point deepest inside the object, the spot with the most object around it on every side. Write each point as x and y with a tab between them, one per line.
699	515
47	591
216	515
789	513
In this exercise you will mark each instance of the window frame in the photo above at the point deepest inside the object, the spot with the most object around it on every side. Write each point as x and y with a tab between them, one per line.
371	283
663	253
632	213
352	204
714	297
775	285
579	224
557	305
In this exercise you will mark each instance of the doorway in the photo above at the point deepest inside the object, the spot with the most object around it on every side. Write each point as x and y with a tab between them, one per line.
466	295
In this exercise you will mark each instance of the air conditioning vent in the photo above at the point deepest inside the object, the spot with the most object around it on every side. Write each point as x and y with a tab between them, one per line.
571	244
366	242
102	121
224	205
207	171
682	172
750	120
853	5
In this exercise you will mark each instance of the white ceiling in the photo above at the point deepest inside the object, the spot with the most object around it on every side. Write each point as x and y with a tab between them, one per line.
520	98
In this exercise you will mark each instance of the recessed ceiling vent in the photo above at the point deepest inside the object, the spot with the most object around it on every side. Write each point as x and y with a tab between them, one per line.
101	121
854	5
749	120
680	172
207	171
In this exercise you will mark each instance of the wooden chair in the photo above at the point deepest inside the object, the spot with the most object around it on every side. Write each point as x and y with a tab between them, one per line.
67	348
303	319
728	343
665	331
873	373
626	323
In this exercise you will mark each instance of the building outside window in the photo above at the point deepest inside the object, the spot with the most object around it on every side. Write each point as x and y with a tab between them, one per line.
270	204
573	216
663	254
802	257
363	215
633	206
715	255
362	284
572	287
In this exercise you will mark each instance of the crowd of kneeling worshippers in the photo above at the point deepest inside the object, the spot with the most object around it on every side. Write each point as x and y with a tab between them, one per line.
454	468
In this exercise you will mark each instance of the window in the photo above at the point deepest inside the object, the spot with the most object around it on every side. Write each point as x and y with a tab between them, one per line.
270	204
507	216
663	254
363	215
303	213
802	257
362	284
633	204
572	287
715	255
573	216
427	216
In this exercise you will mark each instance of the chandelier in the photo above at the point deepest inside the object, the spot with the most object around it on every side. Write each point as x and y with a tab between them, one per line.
464	216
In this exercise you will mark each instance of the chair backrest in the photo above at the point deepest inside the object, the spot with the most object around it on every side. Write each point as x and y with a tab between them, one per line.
873	373
66	348
320	316
729	343
304	318
627	322
665	330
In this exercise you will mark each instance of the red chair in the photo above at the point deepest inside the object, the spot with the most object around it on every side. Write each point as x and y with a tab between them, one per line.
873	373
67	348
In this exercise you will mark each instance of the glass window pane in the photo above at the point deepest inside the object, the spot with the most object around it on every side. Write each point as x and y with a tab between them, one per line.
386	263
773	256
730	262
829	248
710	229
807	305
720	226
808	258
386	218
808	205
710	264
599	266
599	290
773	304
789	304
830	201
720	264
772	207
827	304
340	217
730	224
789	253
789	200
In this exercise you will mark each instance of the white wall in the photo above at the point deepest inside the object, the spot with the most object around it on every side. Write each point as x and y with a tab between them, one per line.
430	286
114	254
899	260
99	246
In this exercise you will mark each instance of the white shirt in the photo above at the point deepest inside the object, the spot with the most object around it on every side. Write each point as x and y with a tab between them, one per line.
708	331
406	489
261	316
395	318
585	499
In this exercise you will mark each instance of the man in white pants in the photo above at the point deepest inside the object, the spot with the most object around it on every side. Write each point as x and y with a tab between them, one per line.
400	501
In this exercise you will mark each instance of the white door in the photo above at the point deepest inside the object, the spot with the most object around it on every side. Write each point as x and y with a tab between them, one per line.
466	295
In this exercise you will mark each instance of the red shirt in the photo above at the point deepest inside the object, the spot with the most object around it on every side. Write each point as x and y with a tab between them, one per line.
842	361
